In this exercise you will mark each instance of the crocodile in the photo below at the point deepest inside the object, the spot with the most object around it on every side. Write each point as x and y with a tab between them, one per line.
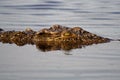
54	38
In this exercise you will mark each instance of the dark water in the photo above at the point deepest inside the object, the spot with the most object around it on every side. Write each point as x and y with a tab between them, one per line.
95	62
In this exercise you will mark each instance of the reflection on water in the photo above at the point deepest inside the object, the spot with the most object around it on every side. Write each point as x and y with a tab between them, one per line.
96	62
67	46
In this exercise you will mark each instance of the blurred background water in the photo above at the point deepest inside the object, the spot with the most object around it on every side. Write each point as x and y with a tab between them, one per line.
99	62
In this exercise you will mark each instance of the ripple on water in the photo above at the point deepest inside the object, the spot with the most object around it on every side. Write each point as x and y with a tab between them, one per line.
96	62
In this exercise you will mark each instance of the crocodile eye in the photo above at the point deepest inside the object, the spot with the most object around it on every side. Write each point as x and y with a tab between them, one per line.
66	34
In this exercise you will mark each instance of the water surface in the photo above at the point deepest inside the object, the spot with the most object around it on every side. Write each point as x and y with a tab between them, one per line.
100	61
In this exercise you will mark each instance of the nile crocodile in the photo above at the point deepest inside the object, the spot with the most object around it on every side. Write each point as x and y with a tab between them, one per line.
53	38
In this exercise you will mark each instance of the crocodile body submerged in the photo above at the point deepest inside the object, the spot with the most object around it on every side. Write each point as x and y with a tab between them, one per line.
56	35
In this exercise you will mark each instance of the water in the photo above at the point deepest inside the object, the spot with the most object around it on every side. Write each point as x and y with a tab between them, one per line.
93	62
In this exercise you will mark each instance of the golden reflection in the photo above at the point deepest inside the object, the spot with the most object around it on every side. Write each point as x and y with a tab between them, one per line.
50	46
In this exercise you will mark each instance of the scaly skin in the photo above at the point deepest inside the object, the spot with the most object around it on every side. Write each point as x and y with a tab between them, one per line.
58	33
55	36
